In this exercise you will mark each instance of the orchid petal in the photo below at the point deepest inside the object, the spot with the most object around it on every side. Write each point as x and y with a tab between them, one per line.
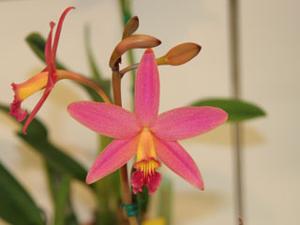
187	122
16	108
106	119
177	159
36	109
114	156
147	89
59	27
49	58
50	82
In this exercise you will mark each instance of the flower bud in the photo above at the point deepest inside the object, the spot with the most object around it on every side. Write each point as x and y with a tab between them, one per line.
131	26
131	42
180	54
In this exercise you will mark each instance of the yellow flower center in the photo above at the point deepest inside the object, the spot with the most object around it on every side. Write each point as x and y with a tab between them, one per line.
146	160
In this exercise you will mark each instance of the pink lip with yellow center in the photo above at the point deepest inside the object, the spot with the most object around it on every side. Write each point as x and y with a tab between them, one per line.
146	164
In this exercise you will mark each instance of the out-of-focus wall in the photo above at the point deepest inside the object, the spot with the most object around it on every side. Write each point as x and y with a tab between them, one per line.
270	77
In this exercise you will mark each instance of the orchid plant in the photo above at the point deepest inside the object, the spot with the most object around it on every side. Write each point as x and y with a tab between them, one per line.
146	136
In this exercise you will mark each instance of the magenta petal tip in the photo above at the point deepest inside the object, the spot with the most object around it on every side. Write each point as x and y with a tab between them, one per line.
89	179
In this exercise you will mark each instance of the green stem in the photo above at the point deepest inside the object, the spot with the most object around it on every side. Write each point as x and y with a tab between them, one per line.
131	61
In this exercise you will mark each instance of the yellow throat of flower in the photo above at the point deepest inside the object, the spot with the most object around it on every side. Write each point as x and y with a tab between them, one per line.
31	86
146	160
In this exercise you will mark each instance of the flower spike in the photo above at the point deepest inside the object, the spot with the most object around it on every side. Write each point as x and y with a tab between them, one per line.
152	137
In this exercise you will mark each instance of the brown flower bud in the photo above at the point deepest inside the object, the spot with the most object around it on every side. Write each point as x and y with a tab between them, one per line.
180	54
131	42
131	26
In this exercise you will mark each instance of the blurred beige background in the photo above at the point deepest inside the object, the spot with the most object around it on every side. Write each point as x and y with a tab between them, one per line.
270	77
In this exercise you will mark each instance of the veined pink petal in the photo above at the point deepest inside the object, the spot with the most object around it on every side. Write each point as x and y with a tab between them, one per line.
178	160
147	89
187	122
106	119
114	156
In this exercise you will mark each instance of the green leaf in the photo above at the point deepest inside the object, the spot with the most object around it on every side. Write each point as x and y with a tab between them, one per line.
125	6
95	71
4	108
37	137
97	74
37	44
16	205
165	203
55	157
59	185
238	110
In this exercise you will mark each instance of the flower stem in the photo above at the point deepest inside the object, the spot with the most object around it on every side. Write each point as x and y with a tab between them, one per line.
129	68
64	74
125	188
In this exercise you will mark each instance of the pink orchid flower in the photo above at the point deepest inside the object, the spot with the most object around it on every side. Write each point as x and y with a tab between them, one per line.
152	137
46	79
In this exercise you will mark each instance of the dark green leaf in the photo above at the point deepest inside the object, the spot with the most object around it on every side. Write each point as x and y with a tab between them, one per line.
238	110
4	108
56	157
16	205
59	182
37	138
59	185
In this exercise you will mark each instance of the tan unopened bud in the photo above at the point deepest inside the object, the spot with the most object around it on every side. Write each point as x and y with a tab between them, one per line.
180	54
131	42
131	26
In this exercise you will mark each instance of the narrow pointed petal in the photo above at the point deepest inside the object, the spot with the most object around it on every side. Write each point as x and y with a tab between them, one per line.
147	89
49	58
59	27
36	109
114	156
106	119
177	159
187	122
